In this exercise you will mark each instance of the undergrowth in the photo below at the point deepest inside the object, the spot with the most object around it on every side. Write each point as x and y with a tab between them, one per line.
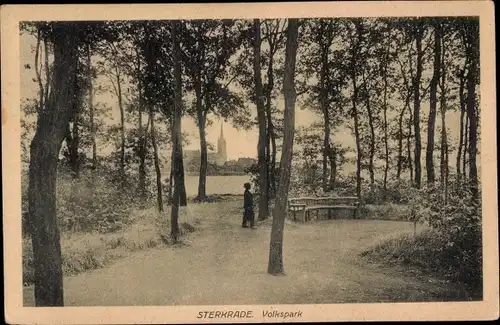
88	251
429	252
452	247
101	221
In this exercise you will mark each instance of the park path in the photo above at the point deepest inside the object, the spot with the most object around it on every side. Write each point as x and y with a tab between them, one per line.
222	263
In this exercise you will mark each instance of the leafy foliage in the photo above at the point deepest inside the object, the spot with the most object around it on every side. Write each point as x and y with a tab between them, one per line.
452	243
93	202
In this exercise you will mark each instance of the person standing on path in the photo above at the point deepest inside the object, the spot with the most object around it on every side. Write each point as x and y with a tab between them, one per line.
248	214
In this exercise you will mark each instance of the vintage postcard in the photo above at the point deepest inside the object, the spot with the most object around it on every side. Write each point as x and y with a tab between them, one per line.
242	163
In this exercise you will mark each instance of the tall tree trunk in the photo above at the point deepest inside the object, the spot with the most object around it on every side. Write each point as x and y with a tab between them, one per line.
143	136
444	138
204	159
400	125
372	131
261	115
473	49
271	154
44	154
182	182
268	158
202	192
271	133
359	154
431	123
355	90
399	166
75	159
326	153
272	165
176	141
274	151
271	137
333	167
91	109
326	116
142	162
272	39
400	137
171	178
122	127
182	185
416	104
386	136
444	153
275	265
75	137
174	214
462	128
159	187
408	145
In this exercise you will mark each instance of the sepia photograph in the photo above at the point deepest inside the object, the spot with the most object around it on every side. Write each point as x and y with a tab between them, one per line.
239	160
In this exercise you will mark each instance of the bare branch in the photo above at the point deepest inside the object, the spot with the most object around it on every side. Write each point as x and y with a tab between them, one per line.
410	55
47	68
38	73
229	82
428	44
110	76
403	74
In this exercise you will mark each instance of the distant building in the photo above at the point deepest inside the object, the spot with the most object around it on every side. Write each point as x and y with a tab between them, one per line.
246	162
241	163
231	163
193	157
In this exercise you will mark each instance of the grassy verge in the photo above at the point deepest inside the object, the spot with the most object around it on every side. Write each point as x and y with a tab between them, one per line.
87	251
428	254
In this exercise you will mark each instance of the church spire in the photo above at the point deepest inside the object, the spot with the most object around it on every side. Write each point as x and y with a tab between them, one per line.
221	146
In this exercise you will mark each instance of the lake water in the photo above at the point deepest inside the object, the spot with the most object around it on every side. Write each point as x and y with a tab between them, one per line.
217	184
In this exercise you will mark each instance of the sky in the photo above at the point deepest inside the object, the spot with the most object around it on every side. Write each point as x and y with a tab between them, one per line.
240	143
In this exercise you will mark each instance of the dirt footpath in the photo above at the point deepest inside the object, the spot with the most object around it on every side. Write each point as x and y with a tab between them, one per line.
222	263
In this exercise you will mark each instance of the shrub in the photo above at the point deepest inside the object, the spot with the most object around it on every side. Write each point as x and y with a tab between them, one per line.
408	249
92	202
387	211
396	191
453	246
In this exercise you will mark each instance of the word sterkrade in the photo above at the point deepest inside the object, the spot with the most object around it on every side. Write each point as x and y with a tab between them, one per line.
225	314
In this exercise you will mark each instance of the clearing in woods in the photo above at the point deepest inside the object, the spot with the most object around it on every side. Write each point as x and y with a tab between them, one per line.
222	263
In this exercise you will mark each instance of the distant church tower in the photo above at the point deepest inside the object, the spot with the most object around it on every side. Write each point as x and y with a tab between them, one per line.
221	147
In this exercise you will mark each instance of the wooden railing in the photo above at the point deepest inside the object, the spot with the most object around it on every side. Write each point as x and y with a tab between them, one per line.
324	200
308	204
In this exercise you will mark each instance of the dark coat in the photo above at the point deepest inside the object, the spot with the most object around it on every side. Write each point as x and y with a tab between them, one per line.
248	203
